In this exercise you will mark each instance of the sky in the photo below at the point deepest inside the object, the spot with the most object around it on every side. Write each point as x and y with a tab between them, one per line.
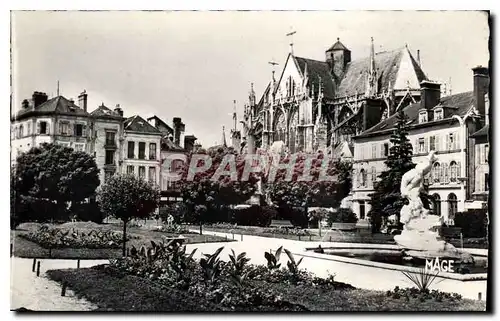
194	64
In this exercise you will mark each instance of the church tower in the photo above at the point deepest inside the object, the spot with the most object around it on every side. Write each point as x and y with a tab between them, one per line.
337	57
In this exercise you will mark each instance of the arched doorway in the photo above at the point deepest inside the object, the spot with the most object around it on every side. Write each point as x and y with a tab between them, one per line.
452	206
436	204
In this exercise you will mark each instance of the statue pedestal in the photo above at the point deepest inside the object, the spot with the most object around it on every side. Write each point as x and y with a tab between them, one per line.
426	244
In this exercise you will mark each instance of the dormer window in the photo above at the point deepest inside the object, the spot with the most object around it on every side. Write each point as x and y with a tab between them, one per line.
438	114
422	116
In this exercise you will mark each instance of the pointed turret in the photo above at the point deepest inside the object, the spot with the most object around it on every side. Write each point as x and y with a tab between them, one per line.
372	80
224	143
337	57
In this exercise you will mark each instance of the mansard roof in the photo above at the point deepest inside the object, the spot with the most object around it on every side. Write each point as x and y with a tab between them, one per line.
138	124
169	128
387	63
57	105
460	105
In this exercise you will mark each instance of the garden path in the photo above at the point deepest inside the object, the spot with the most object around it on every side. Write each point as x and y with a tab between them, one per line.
371	278
41	294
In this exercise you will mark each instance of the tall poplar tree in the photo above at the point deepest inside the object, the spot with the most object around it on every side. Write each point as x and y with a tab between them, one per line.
387	200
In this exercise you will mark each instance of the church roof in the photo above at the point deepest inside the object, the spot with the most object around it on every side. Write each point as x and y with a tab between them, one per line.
315	70
337	46
387	63
459	103
138	124
56	105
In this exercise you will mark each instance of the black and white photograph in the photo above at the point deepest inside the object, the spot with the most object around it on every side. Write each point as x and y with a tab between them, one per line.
250	161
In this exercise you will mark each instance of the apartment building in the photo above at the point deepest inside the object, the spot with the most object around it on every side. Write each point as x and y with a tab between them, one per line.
442	124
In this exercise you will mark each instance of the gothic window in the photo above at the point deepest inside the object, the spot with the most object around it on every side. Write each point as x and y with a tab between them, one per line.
293	133
279	127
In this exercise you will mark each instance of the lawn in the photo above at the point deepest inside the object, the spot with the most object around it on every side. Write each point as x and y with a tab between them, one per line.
28	249
131	293
361	235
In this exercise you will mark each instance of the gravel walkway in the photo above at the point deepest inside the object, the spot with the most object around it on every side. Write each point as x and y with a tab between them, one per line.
41	294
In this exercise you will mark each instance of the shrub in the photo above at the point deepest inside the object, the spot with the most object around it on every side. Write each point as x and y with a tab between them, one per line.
417	294
52	237
88	212
473	223
254	215
342	215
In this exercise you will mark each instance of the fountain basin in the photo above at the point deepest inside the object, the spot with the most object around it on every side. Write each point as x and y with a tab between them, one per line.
391	258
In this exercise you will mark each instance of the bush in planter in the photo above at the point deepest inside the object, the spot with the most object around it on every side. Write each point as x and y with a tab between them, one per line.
473	223
254	215
342	215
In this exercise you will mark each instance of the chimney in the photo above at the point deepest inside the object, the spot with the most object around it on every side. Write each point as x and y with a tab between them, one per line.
481	86
418	57
118	110
430	94
82	100
178	131
25	104
39	98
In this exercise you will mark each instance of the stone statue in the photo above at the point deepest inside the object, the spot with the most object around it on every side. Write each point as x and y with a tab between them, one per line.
419	237
170	220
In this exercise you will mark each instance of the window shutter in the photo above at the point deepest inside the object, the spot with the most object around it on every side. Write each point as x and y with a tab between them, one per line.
74	129
436	143
426	144
457	140
38	127
459	173
47	128
84	131
481	182
481	154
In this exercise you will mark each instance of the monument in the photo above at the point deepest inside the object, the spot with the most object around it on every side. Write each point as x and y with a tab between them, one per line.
420	238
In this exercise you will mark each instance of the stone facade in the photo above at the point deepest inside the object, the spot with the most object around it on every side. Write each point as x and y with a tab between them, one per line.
103	133
440	124
320	105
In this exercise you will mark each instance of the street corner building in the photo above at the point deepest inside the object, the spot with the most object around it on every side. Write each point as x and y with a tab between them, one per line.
455	127
126	145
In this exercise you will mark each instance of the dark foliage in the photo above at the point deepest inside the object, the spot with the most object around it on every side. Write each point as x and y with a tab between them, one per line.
387	200
474	223
342	215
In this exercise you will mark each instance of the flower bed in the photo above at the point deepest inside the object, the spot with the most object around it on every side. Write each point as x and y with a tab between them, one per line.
57	238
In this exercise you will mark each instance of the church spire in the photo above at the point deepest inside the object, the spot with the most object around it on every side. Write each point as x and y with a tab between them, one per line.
371	82
224	143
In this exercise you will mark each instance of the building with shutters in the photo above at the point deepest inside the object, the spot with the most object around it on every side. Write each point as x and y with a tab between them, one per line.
120	145
443	124
56	120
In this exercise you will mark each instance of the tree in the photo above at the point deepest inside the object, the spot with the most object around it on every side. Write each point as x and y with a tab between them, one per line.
54	175
127	197
209	191
315	191
386	199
